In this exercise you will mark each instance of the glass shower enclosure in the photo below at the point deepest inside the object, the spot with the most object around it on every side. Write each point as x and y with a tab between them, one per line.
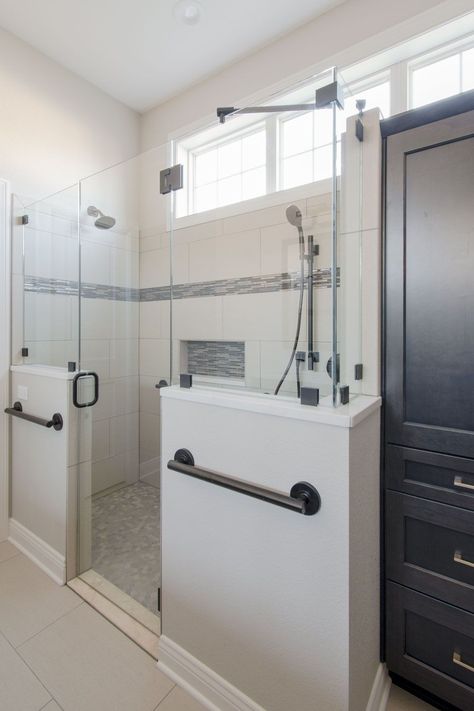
238	278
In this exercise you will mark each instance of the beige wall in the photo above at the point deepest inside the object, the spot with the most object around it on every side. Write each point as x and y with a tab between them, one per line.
55	127
347	34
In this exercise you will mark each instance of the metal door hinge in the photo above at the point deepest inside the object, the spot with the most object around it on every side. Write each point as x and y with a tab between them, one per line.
158	601
358	371
171	179
359	126
24	220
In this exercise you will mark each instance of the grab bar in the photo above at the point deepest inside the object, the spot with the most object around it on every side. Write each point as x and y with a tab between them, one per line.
56	422
303	498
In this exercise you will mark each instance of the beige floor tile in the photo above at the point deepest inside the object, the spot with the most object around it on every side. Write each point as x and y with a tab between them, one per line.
30	600
19	688
400	700
179	700
88	665
7	550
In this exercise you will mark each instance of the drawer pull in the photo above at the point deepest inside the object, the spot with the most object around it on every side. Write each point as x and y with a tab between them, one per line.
462	484
457	660
459	559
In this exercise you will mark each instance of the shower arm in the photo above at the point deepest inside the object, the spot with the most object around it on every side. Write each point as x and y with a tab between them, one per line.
325	98
224	111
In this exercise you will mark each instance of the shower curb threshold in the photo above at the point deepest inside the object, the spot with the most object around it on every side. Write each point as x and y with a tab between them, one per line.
132	628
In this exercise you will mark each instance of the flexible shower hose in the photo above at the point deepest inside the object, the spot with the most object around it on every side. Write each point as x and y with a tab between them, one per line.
298	324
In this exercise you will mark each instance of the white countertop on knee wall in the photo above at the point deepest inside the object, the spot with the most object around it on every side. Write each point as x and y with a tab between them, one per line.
348	415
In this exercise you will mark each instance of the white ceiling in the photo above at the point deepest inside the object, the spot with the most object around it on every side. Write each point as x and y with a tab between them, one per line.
136	50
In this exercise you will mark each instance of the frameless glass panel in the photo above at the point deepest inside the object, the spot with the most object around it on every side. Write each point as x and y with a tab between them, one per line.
125	302
50	268
241	310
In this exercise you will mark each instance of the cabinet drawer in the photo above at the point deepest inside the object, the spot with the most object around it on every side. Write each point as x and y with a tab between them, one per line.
440	477
430	547
431	644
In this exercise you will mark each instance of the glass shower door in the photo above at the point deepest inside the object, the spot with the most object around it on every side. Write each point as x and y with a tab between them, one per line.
124	339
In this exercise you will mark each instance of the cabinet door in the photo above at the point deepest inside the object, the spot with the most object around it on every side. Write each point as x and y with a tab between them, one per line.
430	287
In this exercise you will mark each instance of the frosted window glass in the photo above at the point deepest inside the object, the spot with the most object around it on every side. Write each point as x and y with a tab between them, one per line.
468	70
205	198
229	190
254	150
298	134
229	159
298	170
254	183
435	81
205	167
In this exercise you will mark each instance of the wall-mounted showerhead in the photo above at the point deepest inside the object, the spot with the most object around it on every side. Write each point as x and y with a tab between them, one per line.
103	222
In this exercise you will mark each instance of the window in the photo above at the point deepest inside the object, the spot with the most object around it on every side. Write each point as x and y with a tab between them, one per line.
256	155
231	171
432	79
306	139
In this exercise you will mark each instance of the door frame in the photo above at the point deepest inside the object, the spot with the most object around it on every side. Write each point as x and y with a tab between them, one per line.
5	329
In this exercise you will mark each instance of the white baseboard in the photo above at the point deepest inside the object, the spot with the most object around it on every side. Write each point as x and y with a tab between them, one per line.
207	687
37	550
380	690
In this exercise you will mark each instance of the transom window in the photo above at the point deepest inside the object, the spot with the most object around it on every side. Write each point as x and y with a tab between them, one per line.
230	171
432	79
259	156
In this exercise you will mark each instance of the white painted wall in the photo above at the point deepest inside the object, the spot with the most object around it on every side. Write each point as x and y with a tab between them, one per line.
280	606
347	34
55	127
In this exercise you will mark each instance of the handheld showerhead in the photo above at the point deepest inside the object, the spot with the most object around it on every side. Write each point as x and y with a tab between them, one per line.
103	222
294	216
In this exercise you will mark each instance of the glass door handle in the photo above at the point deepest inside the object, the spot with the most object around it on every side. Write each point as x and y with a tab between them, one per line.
75	388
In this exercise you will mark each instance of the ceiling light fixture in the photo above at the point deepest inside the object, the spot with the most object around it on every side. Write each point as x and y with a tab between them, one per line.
188	12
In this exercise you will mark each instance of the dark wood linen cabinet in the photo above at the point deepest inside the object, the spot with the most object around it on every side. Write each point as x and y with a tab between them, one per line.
428	388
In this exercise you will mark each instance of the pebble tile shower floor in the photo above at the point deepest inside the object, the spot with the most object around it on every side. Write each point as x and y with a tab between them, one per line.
126	541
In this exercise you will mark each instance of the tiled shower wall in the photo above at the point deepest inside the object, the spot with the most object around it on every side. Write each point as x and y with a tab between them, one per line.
109	323
234	279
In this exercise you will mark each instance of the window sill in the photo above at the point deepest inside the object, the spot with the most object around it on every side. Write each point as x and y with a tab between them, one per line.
300	192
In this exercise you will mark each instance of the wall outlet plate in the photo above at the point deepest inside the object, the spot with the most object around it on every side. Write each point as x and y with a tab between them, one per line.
22	392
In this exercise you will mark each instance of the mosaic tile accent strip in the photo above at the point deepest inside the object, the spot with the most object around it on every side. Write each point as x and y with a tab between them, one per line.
243	285
42	285
265	283
222	359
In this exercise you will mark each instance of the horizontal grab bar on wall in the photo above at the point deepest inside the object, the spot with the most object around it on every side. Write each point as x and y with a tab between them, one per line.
303	498
56	422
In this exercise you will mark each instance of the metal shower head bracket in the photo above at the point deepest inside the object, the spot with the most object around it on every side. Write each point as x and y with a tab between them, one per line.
325	97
